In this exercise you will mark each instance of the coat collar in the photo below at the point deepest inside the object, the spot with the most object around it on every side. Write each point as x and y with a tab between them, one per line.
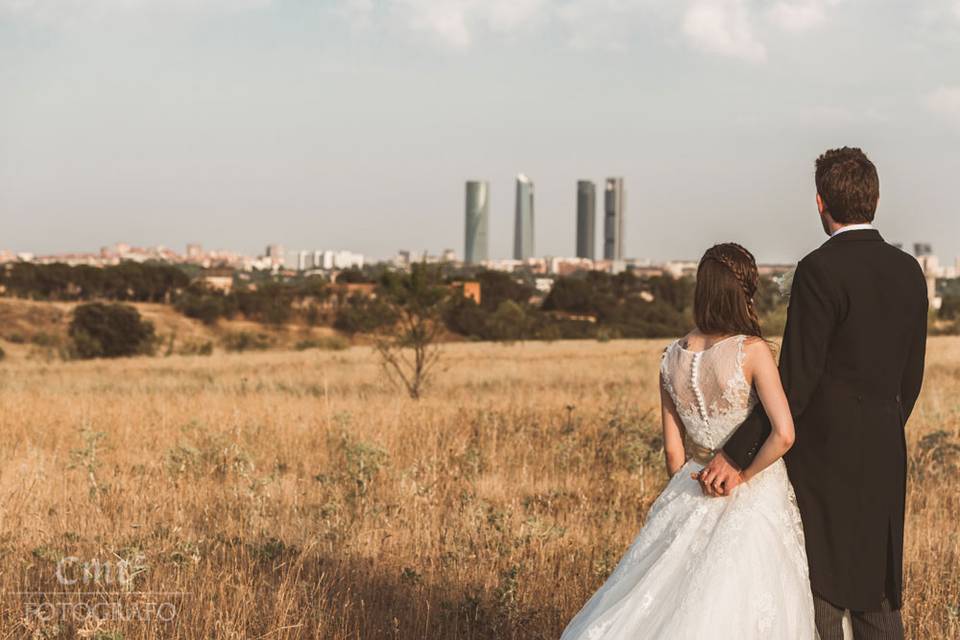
857	235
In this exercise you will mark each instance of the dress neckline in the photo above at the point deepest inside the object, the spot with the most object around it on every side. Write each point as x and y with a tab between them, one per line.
715	344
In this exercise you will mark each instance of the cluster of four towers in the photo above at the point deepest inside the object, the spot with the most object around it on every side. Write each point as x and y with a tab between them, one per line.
478	217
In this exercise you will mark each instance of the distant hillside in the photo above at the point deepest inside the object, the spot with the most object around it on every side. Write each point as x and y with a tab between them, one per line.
31	330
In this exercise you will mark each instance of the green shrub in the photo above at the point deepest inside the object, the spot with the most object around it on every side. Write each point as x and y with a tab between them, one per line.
246	341
362	314
197	348
110	331
774	322
44	339
325	343
205	307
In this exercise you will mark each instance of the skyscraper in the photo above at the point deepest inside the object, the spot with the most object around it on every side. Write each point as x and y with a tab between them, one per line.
476	220
613	220
523	229
586	219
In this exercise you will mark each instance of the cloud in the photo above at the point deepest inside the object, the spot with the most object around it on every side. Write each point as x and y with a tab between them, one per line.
944	102
454	21
54	10
447	21
801	15
844	116
798	16
723	27
738	29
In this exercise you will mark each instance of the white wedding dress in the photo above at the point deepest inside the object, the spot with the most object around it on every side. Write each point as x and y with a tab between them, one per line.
731	568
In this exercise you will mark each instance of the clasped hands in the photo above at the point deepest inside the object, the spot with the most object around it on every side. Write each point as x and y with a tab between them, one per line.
719	478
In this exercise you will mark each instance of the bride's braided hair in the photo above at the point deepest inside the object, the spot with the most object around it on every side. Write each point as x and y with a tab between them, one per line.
723	304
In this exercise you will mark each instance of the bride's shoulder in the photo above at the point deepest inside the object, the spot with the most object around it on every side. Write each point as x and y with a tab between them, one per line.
681	343
755	349
756	342
670	348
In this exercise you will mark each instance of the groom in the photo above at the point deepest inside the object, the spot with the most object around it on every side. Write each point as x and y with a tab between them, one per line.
852	366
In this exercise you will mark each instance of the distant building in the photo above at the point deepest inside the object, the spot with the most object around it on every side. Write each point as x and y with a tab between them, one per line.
523	220
476	222
930	265
194	252
218	279
340	260
680	268
586	219
303	260
568	266
773	270
406	258
470	289
613	204
275	254
931	271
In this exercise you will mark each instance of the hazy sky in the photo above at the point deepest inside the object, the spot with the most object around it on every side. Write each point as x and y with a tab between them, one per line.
354	123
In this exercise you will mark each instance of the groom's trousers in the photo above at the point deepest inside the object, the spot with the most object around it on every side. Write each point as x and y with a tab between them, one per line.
885	624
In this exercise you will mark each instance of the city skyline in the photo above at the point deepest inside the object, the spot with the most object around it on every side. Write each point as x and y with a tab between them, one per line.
476	234
355	123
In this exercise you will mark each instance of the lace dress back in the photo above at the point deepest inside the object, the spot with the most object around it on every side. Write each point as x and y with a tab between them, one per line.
709	389
705	567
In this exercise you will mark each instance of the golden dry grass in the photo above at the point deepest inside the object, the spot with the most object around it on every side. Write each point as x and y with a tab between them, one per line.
298	495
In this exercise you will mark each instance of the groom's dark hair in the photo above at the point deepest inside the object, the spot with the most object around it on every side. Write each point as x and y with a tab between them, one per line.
848	184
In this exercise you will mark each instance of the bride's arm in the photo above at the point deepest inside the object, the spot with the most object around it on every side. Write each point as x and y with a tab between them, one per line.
761	370
672	432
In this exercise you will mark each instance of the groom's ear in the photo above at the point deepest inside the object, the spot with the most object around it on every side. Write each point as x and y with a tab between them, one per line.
820	206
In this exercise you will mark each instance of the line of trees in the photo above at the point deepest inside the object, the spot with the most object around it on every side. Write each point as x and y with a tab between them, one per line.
128	281
270	302
583	305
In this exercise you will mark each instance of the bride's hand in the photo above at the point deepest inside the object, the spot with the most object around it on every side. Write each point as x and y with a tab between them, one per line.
719	477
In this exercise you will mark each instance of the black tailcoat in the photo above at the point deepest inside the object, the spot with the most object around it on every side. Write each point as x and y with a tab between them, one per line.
852	366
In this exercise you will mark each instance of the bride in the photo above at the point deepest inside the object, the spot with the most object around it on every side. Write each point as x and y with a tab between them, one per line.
714	567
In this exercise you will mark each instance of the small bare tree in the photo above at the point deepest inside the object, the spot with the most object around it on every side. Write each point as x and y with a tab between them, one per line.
409	347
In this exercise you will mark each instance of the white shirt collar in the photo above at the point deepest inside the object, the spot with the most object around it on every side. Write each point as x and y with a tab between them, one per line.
852	227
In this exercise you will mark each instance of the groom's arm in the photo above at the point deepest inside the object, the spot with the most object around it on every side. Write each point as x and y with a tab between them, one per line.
746	441
811	319
912	378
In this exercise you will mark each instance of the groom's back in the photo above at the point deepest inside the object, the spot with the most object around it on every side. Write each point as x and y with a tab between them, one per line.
879	293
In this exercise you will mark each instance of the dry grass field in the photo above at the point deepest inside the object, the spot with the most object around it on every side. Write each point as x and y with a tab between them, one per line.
299	495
